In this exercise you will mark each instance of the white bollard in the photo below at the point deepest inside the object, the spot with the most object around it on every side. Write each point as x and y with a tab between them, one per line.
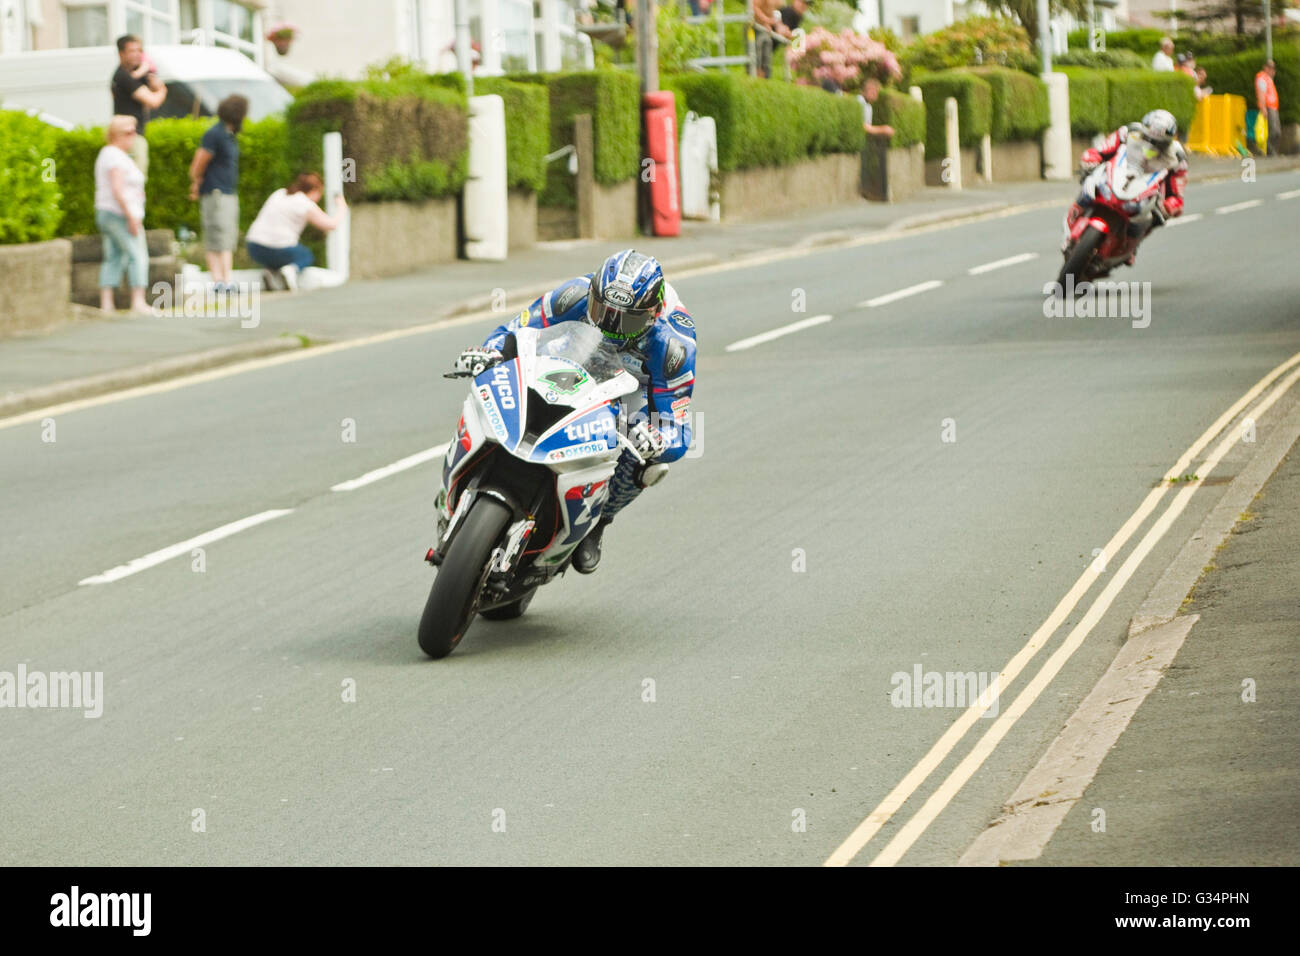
1058	152
952	163
986	158
486	197
916	93
338	242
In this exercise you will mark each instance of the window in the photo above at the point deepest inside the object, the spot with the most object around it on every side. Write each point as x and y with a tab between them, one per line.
222	23
911	27
233	19
86	26
153	21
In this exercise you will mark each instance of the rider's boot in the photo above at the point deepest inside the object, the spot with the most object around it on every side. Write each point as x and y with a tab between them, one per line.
587	555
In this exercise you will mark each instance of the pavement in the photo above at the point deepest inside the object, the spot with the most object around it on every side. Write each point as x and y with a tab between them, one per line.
922	479
95	354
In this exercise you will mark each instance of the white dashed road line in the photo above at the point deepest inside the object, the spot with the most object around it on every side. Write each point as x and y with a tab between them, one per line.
901	294
799	326
410	461
1289	194
1238	206
1002	263
166	554
1184	220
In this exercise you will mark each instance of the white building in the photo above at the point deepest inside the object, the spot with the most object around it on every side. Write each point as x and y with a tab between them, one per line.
342	37
62	24
911	18
334	37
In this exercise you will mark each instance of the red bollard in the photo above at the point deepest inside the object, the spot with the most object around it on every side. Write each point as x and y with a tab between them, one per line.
660	116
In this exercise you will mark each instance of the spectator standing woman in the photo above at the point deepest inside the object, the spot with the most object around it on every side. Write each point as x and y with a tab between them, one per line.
214	182
1267	101
119	214
136	90
273	238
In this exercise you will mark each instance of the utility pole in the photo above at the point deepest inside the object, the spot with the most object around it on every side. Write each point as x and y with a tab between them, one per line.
647	45
1044	36
464	52
1268	30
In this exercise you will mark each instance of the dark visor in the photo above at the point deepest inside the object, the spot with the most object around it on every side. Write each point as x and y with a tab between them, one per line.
622	323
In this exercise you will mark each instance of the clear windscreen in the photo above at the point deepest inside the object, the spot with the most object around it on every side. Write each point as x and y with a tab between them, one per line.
583	345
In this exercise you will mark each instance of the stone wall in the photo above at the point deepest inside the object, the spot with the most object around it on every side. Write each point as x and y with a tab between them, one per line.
969	169
1017	162
35	285
395	238
773	190
521	206
892	175
88	253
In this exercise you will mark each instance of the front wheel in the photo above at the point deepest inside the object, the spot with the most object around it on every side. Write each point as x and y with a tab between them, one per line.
1079	258
508	612
453	601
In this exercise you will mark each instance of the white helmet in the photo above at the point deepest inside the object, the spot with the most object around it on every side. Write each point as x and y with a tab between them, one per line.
1159	128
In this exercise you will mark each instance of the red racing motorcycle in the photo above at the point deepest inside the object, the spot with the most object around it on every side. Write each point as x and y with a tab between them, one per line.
1120	199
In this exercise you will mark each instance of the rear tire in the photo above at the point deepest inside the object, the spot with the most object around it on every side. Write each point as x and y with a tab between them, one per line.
453	600
508	612
1076	263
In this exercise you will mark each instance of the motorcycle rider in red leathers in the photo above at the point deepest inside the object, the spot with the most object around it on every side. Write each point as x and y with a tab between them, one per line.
1155	136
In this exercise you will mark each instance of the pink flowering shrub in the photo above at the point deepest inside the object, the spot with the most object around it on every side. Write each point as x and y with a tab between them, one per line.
847	58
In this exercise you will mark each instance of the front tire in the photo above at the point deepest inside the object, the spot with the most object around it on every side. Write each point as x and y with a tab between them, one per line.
1077	262
453	600
508	612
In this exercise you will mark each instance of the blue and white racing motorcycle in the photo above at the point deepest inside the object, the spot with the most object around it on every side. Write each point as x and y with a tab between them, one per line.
526	477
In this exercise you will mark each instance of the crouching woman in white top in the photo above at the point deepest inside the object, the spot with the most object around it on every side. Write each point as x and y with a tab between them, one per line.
272	239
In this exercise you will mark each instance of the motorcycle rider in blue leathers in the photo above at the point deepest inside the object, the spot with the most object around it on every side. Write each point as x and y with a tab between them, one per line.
640	314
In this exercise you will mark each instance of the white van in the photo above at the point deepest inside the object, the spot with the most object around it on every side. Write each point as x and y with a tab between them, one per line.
71	87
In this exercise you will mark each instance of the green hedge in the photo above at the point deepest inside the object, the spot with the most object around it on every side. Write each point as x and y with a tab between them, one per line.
1133	93
1089	101
974	108
528	126
1143	41
263	165
903	113
172	144
1146	42
1117	59
1020	110
613	100
75	152
29	183
767	123
1236	74
407	138
263	168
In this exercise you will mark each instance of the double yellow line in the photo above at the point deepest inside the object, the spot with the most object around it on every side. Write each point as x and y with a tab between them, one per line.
944	746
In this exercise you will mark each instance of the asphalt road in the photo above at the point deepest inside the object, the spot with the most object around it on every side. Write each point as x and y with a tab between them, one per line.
533	743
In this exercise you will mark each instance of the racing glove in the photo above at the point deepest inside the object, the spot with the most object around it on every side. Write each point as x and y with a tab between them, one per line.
474	360
648	440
